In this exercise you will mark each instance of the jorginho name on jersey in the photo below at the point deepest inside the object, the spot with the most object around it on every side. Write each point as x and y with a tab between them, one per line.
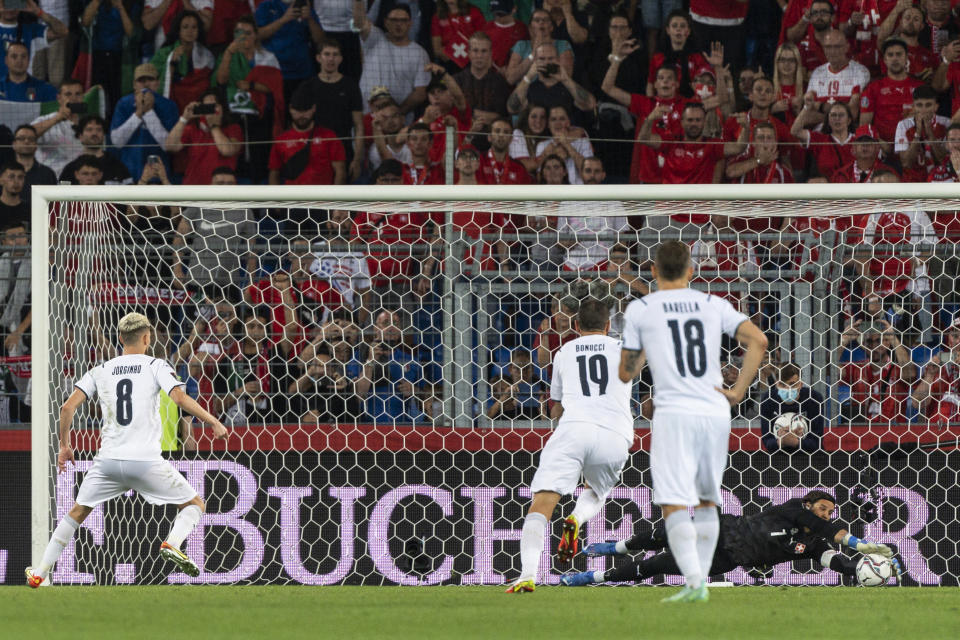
680	332
128	388
586	383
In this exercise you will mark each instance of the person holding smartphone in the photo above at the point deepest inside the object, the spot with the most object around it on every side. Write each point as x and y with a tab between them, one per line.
36	36
547	82
253	82
210	137
142	121
288	29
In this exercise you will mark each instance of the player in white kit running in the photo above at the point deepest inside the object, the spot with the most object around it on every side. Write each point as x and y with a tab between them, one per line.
592	438
128	388
678	330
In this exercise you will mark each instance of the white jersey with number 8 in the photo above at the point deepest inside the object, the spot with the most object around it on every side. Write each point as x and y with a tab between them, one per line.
586	382
680	330
128	389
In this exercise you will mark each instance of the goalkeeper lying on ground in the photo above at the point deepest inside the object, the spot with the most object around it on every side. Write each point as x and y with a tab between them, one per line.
795	530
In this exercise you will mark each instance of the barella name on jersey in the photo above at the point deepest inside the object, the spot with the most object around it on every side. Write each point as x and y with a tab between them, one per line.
123	370
680	307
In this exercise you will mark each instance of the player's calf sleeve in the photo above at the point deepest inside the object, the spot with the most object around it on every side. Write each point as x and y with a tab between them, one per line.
186	520
682	537
60	539
707	523
531	545
588	505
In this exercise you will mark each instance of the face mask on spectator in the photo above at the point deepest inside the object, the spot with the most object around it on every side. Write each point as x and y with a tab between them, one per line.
788	395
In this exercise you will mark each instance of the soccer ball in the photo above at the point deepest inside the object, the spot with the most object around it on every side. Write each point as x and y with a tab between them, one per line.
792	422
874	570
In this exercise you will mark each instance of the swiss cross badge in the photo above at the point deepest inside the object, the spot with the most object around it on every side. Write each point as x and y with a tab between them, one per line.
800	548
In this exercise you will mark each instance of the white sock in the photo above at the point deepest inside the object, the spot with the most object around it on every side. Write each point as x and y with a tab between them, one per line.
707	523
621	547
531	545
598	577
186	520
588	505
60	538
682	538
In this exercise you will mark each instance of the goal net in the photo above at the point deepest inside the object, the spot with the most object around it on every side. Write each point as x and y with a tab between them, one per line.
383	354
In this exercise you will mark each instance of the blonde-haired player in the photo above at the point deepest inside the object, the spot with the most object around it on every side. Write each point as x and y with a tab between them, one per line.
128	388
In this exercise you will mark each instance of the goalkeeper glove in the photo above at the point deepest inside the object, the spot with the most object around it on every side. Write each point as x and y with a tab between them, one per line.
863	546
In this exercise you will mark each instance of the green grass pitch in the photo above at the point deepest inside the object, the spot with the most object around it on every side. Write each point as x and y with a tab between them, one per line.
457	613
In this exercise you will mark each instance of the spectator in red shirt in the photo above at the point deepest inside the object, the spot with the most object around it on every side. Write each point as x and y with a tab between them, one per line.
877	387
210	142
947	75
420	169
763	166
922	61
949	167
447	108
474	225
497	167
919	138
643	166
504	31
860	21
678	50
832	146
450	30
762	97
211	343
866	158
389	265
689	158
800	20
296	302
937	394
555	331
886	100
788	83
307	153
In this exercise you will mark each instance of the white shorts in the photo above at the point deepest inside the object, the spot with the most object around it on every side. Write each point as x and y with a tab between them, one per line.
575	448
688	455
156	480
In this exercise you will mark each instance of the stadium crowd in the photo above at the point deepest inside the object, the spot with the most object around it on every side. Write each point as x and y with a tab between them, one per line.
343	323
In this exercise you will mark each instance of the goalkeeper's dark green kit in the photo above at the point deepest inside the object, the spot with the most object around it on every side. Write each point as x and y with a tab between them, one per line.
783	533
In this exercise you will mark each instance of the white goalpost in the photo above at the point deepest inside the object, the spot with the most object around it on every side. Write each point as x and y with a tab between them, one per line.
411	467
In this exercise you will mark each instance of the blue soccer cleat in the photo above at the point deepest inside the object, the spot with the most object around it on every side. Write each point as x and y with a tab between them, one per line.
601	549
581	579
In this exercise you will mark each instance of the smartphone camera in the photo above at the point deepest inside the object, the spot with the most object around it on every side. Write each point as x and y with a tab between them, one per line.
152	159
205	109
551	69
78	108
